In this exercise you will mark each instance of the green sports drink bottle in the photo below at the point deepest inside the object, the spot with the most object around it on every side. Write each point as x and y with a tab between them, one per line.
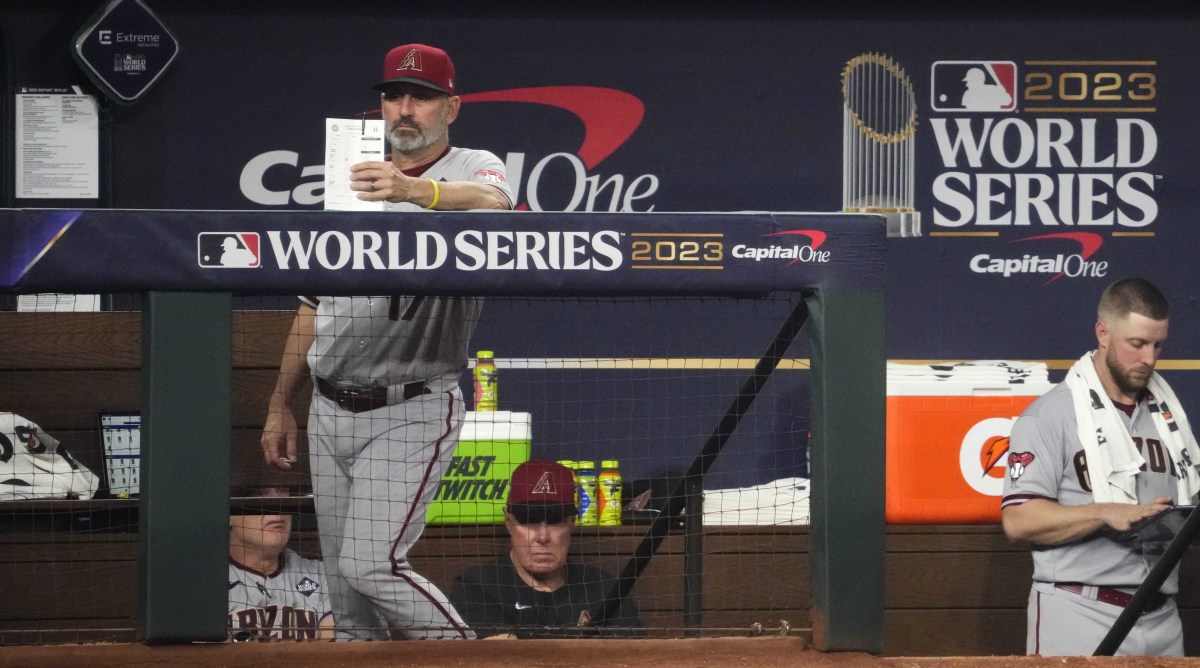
486	377
586	475
609	491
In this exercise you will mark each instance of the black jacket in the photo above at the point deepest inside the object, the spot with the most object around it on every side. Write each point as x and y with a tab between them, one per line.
494	599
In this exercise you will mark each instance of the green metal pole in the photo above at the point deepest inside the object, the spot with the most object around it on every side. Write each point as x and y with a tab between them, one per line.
184	520
847	465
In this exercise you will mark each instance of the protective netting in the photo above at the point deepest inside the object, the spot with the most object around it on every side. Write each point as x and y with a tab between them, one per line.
404	498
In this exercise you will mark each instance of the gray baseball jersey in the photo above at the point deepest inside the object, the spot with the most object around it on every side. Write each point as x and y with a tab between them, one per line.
287	604
1046	461
391	340
388	340
375	472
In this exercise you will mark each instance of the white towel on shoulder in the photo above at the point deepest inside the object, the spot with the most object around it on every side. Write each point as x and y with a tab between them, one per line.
1112	459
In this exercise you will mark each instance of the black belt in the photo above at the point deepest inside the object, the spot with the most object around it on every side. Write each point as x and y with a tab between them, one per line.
1115	597
363	399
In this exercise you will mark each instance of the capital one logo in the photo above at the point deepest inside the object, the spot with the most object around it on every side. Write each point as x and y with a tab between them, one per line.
784	247
981	459
609	118
1050	260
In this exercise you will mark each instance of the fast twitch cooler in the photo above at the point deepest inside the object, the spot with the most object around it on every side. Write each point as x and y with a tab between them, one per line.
475	487
947	444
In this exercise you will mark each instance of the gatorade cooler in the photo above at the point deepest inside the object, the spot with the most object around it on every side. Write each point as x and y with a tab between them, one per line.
475	486
947	444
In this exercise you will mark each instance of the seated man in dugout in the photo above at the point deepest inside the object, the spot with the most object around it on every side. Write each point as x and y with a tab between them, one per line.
274	593
531	591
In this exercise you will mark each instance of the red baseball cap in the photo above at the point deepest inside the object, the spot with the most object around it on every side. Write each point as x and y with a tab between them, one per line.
419	64
542	483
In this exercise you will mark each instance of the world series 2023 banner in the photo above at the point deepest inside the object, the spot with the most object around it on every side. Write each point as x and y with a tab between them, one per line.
460	253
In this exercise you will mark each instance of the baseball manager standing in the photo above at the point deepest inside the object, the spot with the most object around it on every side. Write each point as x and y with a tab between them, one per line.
1104	449
386	408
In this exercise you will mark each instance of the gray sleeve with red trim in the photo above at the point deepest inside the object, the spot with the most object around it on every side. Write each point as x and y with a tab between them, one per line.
478	166
1041	449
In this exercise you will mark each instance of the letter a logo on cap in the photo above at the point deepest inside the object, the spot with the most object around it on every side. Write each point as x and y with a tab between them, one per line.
412	61
543	486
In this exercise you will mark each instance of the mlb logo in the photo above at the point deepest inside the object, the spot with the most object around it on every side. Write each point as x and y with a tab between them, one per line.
974	85
238	250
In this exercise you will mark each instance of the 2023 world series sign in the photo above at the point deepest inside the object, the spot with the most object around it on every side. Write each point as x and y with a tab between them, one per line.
478	253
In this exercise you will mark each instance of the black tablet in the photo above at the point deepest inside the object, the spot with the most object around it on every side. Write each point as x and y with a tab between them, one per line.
1156	528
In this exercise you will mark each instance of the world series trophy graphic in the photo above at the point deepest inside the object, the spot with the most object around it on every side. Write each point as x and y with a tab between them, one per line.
879	119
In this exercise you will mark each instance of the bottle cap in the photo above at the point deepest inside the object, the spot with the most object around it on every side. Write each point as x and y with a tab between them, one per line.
608	464
569	463
586	465
485	355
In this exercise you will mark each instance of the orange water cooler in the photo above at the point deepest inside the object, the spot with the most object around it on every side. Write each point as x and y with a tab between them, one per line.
946	449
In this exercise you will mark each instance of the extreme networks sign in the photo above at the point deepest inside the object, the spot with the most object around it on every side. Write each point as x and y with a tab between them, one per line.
125	49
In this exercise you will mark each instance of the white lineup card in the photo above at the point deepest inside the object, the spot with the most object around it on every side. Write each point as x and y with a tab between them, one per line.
349	141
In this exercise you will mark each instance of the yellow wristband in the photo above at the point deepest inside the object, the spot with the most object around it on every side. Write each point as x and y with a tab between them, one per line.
437	194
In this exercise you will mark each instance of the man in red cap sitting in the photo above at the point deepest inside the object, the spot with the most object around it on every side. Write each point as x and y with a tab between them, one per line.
532	592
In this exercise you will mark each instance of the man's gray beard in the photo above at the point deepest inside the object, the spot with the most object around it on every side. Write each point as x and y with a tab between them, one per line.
408	144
